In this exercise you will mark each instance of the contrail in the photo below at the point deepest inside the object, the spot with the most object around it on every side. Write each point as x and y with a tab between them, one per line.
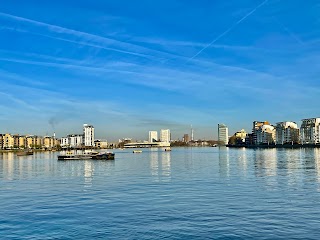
84	38
291	34
229	29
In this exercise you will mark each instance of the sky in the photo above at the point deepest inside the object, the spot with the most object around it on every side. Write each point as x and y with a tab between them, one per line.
128	67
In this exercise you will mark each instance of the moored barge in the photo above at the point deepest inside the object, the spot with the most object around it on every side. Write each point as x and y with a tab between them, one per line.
87	156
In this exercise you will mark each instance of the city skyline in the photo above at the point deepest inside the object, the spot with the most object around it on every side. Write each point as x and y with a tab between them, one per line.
127	68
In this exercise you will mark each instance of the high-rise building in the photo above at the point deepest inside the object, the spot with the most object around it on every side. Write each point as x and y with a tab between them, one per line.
287	132
223	134
88	135
165	135
255	128
153	136
192	133
265	134
310	131
186	138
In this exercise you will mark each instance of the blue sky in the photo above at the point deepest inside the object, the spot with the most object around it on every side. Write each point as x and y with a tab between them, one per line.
128	67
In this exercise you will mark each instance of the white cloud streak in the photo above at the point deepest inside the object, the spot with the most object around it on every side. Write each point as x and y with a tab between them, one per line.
83	38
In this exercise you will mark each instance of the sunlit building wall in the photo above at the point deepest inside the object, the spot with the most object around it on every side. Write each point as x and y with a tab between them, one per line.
1	141
75	140
255	128
153	136
22	142
101	143
8	141
165	135
48	142
88	135
241	134
266	134
287	132
310	131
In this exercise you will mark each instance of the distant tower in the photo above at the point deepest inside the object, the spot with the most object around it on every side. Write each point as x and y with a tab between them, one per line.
165	135
186	138
223	134
88	135
191	133
153	136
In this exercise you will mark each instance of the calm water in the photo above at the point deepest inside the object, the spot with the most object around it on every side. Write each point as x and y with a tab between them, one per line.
192	193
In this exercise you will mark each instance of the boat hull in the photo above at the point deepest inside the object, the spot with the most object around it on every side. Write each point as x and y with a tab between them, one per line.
104	156
73	157
24	153
100	156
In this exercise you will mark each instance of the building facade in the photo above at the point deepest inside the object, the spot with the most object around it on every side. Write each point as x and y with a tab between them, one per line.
242	134
153	136
33	141
287	133
256	126
310	131
1	141
102	144
165	135
75	140
223	134
48	142
8	141
266	134
186	138
72	140
88	135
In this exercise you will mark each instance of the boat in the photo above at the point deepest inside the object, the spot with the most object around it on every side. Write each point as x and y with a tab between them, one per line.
73	156
167	149
137	151
25	153
103	156
86	156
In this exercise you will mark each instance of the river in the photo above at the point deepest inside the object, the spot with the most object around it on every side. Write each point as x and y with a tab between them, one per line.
188	193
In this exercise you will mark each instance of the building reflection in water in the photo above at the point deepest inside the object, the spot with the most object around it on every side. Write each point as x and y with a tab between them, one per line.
88	173
242	160
160	166
224	165
266	166
289	162
265	162
166	165
154	161
310	162
13	166
46	163
317	162
8	165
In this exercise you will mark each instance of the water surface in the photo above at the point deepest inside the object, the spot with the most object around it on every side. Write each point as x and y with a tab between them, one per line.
188	193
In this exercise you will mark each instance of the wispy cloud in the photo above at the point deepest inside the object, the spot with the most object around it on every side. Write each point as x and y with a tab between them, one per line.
20	79
18	101
82	38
